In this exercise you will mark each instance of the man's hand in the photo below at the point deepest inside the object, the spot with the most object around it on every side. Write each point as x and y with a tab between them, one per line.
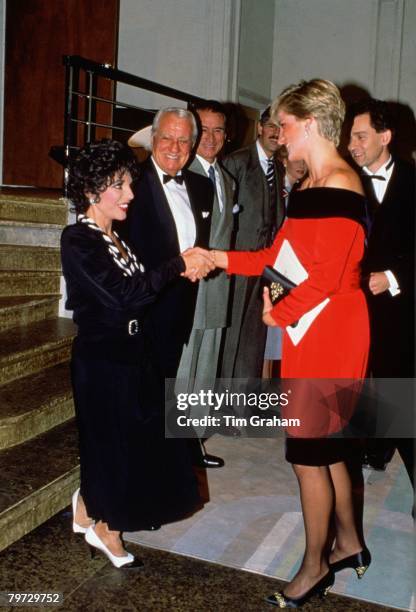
267	308
378	282
198	262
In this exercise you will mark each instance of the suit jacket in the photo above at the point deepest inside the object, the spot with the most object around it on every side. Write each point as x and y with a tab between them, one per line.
213	292
391	246
245	339
253	197
153	235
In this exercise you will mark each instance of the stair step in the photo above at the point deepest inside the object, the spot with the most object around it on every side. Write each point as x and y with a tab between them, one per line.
13	283
23	310
32	405
18	257
36	209
37	480
29	349
34	234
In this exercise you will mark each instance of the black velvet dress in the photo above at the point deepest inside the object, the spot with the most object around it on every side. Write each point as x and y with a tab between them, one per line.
131	476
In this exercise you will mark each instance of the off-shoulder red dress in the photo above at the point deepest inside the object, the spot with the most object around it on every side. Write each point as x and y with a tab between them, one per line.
325	228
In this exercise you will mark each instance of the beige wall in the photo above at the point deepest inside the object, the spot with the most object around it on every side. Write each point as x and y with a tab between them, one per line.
368	43
255	57
186	44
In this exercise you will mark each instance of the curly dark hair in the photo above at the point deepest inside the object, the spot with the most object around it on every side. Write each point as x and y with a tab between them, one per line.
381	116
94	169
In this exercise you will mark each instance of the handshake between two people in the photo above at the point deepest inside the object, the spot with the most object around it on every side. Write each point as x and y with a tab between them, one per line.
200	262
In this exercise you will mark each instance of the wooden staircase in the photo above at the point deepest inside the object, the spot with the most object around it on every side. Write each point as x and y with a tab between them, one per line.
38	438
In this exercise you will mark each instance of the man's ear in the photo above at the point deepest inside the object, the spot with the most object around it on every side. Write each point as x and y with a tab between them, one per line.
386	137
259	128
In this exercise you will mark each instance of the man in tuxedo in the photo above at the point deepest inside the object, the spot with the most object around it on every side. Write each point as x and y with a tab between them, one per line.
171	213
388	266
201	356
261	212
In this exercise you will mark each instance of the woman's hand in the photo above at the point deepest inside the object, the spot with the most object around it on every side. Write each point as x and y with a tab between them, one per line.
220	259
267	308
198	262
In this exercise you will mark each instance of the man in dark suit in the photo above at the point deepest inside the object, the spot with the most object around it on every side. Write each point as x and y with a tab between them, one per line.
388	265
261	212
171	213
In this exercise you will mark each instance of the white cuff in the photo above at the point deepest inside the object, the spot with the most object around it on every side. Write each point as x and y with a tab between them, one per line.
394	285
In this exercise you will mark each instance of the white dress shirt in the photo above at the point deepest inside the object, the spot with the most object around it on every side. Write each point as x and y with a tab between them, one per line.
206	165
264	160
178	200
380	188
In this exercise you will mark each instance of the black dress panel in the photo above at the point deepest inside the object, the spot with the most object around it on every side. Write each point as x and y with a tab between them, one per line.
131	477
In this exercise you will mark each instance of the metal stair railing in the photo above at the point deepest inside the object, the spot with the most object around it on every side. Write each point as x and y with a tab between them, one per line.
85	89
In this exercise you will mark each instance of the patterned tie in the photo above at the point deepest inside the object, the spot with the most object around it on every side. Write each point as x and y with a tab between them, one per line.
270	175
271	181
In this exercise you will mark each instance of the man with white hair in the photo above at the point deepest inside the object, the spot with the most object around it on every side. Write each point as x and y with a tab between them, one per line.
171	212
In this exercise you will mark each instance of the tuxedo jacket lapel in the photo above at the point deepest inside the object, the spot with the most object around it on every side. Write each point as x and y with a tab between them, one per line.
201	204
162	207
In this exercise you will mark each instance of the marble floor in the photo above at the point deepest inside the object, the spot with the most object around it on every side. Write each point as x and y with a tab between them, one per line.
53	559
253	522
241	547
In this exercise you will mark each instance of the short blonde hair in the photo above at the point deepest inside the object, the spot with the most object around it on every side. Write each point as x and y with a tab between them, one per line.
317	98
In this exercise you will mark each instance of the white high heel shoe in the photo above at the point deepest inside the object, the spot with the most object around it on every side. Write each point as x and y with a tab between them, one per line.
75	527
127	561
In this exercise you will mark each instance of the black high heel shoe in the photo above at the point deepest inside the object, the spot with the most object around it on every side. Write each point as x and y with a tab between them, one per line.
359	562
321	588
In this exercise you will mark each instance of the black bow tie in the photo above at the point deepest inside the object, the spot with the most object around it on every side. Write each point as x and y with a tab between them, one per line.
178	178
377	177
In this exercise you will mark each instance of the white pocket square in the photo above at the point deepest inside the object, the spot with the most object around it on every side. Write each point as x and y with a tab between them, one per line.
236	209
205	214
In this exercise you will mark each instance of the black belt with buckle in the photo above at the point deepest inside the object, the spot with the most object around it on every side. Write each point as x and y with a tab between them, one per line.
133	327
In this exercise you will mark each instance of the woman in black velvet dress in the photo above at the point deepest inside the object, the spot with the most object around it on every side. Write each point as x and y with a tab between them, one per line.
131	477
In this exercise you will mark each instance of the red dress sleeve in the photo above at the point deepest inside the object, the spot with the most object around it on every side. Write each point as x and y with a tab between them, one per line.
251	263
339	246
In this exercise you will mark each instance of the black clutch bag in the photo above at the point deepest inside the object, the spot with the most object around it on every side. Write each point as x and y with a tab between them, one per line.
279	286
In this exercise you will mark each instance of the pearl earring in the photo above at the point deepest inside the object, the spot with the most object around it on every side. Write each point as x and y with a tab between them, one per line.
93	201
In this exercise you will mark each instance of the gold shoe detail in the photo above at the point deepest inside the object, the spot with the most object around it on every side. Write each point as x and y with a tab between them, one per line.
281	599
361	570
321	588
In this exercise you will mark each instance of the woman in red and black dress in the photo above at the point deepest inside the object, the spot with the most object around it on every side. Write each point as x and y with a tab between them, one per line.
325	228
